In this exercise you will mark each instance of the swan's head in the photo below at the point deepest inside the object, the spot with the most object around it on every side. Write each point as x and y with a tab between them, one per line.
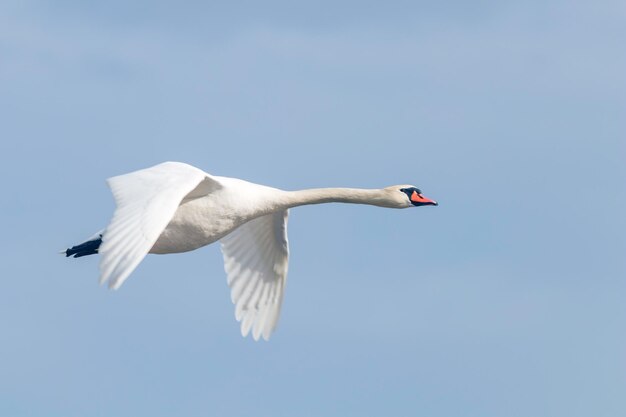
411	196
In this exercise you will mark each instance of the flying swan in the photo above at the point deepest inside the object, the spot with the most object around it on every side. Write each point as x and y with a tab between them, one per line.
174	207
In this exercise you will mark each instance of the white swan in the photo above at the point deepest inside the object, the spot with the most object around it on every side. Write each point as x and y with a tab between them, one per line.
174	207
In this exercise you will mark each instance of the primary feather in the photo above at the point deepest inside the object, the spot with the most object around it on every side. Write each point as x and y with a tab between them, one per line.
256	256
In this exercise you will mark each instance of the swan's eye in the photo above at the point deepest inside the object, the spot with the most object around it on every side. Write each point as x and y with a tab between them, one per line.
409	191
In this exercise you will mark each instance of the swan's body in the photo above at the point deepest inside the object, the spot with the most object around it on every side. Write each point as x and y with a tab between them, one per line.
174	207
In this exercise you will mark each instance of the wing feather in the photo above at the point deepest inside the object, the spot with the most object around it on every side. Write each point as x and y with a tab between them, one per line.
146	201
256	257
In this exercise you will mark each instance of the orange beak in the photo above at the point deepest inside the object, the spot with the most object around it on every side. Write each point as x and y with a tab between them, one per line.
420	199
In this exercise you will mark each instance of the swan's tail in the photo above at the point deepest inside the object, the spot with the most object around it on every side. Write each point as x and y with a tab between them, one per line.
89	247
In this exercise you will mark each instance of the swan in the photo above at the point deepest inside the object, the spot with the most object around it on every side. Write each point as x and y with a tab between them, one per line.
174	207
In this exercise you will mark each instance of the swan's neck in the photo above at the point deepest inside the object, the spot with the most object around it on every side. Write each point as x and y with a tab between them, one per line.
336	195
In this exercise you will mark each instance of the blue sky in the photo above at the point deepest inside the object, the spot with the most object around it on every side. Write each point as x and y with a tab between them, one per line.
506	300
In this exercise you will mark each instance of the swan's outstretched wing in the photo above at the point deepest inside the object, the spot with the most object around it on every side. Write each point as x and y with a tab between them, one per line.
256	256
146	202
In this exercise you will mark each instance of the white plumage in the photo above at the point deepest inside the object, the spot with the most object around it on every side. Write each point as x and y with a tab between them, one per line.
174	207
256	256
